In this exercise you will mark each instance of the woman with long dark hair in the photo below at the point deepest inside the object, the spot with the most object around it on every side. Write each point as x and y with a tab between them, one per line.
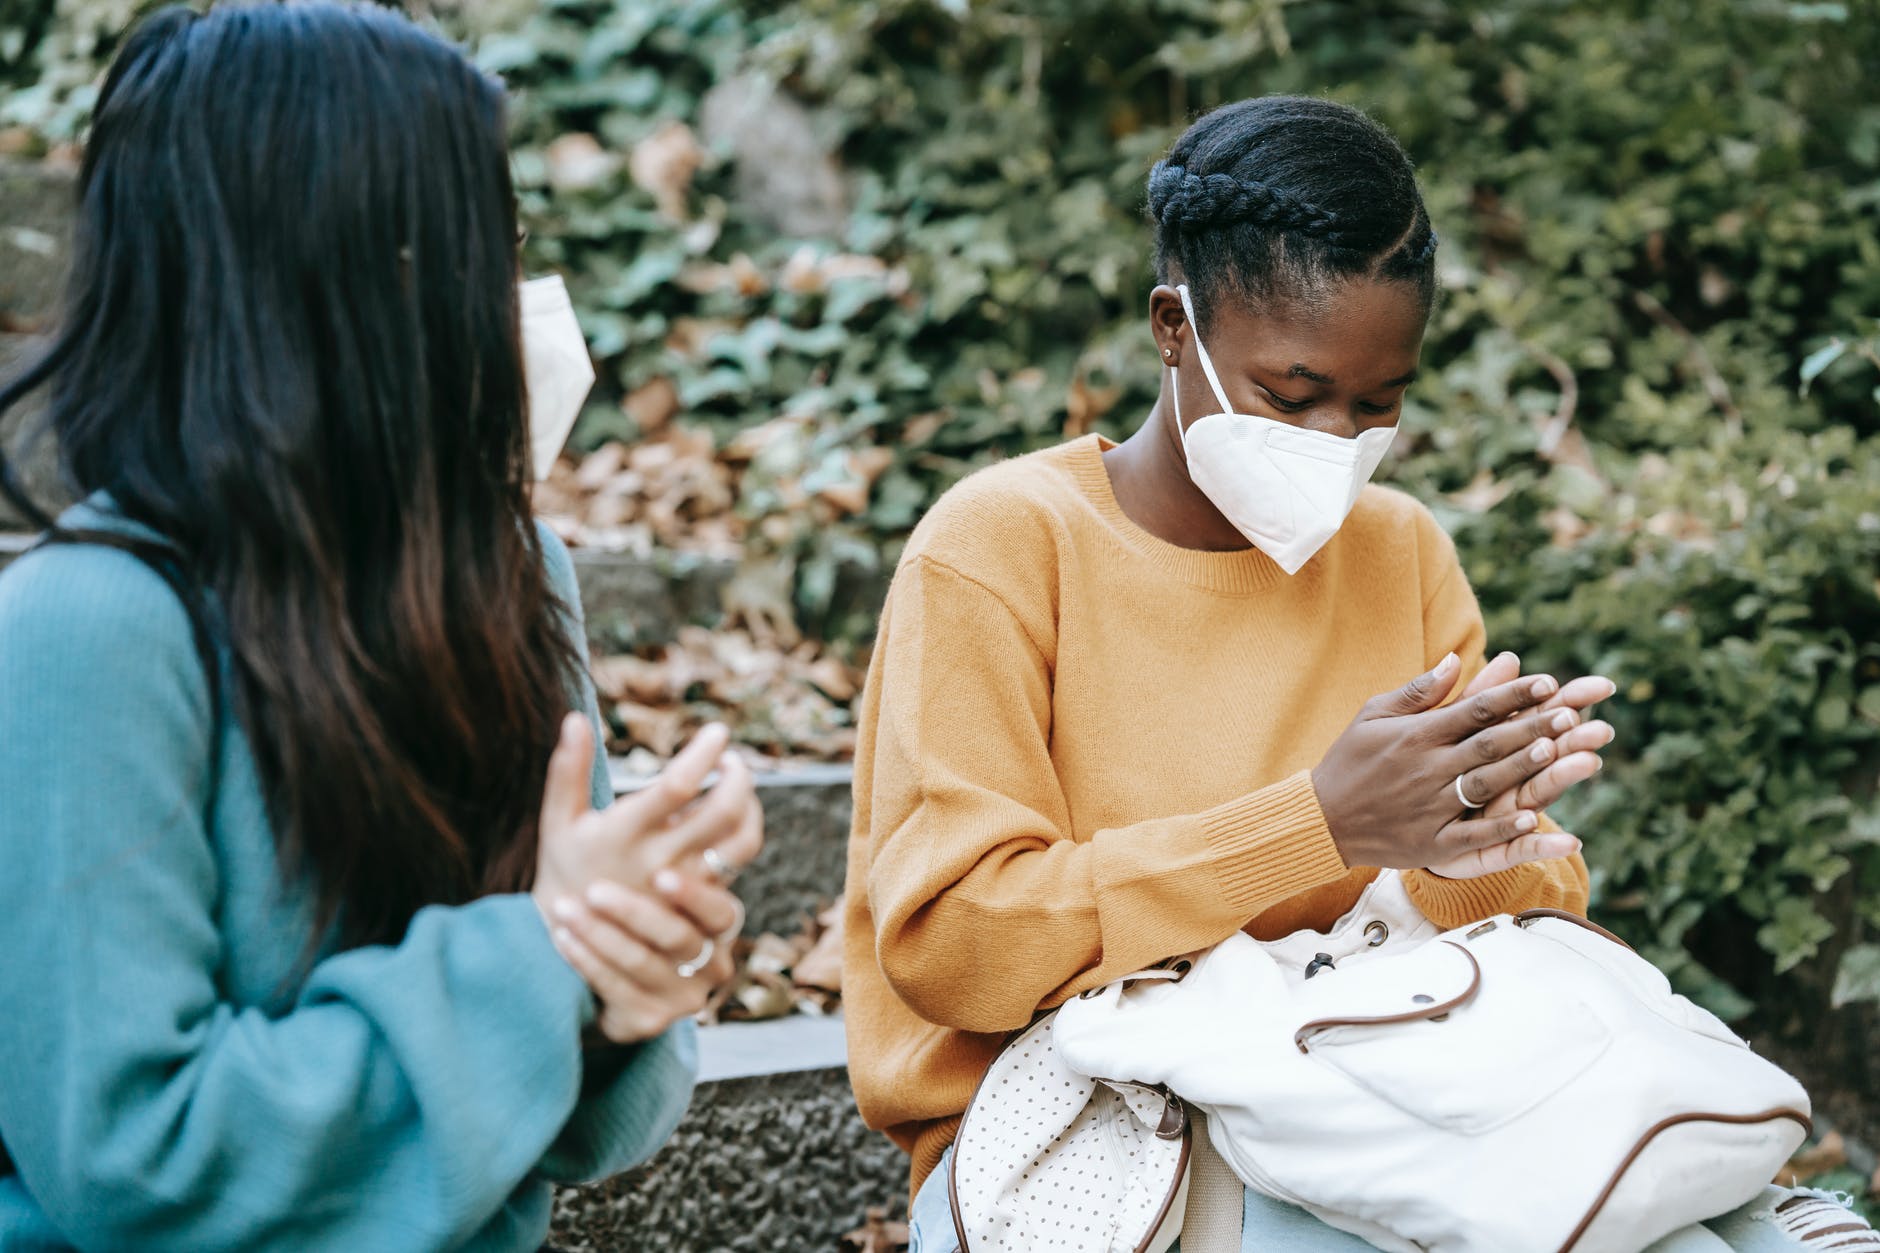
321	930
1130	699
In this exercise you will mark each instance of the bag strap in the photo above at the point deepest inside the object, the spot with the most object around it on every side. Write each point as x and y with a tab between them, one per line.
1216	1197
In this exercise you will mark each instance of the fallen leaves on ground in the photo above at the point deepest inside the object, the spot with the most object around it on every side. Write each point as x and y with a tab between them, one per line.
777	977
877	1234
668	490
1827	1154
784	703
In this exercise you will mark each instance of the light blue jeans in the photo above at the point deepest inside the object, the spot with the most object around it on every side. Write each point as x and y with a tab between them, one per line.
1269	1226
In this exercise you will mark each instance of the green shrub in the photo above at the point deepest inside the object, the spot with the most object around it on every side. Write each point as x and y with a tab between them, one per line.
1659	223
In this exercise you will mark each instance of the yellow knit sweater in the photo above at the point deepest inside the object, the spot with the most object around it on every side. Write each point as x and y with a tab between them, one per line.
1084	749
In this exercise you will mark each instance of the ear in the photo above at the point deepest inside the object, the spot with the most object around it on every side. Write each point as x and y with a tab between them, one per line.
1169	324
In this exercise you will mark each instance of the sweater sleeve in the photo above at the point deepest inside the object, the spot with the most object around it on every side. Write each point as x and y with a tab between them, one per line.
632	1096
1452	622
408	1089
986	908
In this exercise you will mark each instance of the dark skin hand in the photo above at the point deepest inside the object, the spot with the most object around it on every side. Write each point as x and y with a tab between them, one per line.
1340	363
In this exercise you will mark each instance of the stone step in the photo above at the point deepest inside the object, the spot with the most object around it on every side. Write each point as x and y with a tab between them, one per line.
771	1156
806	836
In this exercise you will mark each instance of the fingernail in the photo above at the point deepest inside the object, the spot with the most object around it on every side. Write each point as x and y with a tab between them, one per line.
564	937
1563	721
1525	821
1544	686
668	881
566	909
1577	846
1542	751
568	726
1449	662
1599	763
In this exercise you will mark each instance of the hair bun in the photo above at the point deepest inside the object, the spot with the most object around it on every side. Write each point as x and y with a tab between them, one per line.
1183	201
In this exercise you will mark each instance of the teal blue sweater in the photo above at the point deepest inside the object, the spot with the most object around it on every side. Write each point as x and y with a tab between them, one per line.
167	1081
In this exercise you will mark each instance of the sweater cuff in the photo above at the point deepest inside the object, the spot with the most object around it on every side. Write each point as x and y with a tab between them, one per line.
1453	903
1272	844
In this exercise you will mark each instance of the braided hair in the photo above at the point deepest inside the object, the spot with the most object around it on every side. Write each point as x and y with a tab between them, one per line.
1277	199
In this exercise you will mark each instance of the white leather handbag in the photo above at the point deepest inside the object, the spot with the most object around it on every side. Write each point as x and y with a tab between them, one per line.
1523	1083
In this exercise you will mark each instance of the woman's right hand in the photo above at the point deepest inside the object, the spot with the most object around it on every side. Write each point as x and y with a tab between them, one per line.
1387	785
628	893
665	825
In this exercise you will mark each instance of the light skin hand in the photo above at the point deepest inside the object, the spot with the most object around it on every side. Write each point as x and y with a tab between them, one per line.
626	891
1570	756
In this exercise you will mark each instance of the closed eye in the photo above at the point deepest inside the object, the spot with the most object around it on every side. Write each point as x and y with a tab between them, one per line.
1376	410
1283	404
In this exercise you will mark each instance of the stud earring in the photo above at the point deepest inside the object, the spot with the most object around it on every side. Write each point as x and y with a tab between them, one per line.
1169	353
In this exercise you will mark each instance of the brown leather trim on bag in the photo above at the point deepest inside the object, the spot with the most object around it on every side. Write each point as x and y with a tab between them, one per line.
1526	916
1168	1200
1644	1142
1420	1014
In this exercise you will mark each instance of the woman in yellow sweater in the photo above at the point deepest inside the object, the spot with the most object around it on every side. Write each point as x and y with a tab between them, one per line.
1126	697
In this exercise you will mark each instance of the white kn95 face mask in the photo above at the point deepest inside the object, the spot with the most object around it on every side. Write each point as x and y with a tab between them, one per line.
1285	488
555	367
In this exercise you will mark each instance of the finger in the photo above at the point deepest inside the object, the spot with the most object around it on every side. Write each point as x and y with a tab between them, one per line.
1552	783
1505	668
678	784
1588	737
702	904
1539	846
645	918
1481	786
742	847
629	957
1505	741
1485	709
1583	693
1464	835
715	819
567	791
1424	692
609	985
628	1012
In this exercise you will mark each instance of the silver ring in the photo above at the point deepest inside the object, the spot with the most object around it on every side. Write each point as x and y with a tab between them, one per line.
1464	796
730	934
720	869
688	969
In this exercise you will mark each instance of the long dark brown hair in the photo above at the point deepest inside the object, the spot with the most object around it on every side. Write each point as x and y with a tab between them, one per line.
289	345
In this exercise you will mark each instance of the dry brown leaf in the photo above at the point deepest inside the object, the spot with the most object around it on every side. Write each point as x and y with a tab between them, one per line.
652	404
846	499
836	680
577	162
661	730
870	463
923	428
1830	1153
1565	527
1483	493
1084	404
877	1234
599	466
821	967
663	163
634	678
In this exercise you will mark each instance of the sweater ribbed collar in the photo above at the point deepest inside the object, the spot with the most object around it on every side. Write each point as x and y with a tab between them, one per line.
1241	573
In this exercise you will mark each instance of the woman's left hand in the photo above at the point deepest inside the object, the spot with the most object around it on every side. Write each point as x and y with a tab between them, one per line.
1575	752
631	947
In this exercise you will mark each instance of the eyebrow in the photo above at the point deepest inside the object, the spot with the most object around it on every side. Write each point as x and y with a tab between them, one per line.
1299	371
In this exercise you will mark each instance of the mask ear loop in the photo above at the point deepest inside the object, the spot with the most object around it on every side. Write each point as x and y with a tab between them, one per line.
1207	364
